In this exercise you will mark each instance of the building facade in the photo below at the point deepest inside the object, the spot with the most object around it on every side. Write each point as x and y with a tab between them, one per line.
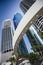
26	4
7	40
39	24
7	35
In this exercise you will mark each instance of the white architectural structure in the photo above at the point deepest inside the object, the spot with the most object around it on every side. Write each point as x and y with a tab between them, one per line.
6	63
32	14
7	40
25	62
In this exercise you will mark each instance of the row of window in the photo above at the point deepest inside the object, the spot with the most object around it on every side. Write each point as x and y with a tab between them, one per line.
39	23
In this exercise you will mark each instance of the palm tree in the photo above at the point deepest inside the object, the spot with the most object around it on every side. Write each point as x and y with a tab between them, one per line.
12	60
33	57
38	48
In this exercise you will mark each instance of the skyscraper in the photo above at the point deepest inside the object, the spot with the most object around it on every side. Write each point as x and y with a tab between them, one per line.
22	46
7	40
16	19
26	4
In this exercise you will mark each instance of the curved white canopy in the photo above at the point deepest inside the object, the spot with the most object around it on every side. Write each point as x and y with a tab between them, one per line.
31	15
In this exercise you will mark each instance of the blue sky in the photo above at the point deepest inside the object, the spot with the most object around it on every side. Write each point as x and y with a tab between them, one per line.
8	8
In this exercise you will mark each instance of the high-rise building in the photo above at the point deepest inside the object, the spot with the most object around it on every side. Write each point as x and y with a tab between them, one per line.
7	35
26	4
22	46
22	49
16	19
7	40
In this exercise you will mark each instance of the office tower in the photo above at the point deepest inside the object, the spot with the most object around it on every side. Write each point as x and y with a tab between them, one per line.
7	34
16	19
22	49
26	4
7	39
38	25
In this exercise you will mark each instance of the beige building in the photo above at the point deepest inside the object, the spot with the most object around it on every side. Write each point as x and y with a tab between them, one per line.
7	40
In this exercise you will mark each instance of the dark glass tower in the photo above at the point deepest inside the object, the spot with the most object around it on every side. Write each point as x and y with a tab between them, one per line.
26	4
17	19
22	49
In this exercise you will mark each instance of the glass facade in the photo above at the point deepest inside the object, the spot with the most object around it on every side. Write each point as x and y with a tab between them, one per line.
17	19
26	4
33	38
22	47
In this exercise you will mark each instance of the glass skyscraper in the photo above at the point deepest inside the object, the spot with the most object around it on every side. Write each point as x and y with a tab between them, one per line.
22	46
26	4
16	19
